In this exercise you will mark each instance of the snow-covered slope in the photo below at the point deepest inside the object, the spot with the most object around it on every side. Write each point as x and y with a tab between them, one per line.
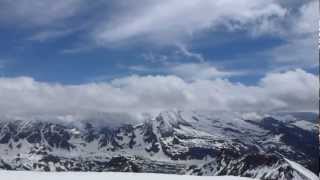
18	175
304	173
173	142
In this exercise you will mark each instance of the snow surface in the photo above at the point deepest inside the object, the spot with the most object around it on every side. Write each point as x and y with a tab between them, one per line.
19	175
305	125
303	171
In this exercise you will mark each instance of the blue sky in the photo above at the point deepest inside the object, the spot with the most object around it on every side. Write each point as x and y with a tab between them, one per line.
62	49
79	42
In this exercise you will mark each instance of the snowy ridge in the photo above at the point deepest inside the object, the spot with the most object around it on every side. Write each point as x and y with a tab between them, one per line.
174	142
303	171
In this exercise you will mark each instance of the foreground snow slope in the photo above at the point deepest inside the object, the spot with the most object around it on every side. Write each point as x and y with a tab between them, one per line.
19	175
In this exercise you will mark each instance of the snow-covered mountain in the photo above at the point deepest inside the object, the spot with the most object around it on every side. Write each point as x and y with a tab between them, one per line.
173	142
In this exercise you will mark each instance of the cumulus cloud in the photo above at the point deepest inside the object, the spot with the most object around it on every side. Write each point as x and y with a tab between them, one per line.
135	95
298	88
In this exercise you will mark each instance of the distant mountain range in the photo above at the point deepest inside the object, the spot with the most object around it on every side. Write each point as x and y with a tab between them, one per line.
279	146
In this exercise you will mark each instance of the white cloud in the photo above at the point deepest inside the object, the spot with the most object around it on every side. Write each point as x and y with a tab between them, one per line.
187	71
308	19
162	22
170	21
196	71
297	52
166	21
301	47
297	88
293	90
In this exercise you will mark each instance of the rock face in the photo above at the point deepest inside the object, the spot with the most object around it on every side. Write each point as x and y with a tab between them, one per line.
174	142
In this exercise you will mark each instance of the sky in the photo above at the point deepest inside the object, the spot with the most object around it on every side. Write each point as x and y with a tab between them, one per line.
76	57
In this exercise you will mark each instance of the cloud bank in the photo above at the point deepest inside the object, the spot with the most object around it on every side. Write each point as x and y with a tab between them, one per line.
292	91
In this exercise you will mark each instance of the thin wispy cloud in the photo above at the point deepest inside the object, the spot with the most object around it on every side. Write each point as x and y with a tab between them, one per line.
51	34
170	21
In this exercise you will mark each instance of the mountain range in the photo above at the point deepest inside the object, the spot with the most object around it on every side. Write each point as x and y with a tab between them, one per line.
277	146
